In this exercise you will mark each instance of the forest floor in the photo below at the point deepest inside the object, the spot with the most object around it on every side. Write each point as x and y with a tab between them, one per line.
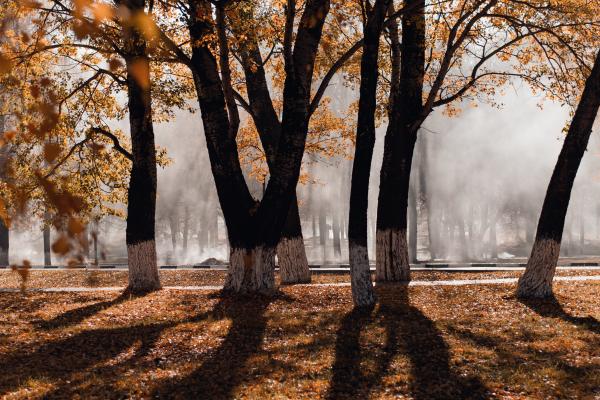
426	342
107	278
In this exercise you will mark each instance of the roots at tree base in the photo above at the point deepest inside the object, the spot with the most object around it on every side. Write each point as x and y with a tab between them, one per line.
143	269
392	256
251	270
536	282
291	257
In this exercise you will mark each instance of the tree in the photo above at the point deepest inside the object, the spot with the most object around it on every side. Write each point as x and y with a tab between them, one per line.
362	288
4	224
537	279
466	50
90	34
254	228
141	204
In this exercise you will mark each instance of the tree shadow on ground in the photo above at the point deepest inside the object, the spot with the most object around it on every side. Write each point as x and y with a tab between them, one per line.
70	362
408	332
552	308
75	316
57	361
225	368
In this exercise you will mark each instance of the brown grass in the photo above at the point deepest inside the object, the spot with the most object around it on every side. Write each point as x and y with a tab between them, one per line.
306	342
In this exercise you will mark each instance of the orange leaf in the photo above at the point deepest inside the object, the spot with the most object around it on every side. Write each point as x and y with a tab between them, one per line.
51	151
139	70
61	246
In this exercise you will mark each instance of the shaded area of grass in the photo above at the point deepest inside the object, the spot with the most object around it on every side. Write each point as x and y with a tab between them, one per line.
423	342
552	308
409	331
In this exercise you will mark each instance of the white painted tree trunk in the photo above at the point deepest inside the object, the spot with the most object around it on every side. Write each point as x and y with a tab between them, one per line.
363	294
536	282
392	256
291	257
143	269
251	270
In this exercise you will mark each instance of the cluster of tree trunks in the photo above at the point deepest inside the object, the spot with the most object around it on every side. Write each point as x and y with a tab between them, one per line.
254	228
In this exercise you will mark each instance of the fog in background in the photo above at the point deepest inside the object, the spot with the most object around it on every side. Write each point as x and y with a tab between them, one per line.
476	176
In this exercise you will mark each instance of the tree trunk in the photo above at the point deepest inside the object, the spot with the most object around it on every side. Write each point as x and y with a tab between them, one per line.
425	196
174	227
47	253
186	228
4	243
95	242
581	233
291	254
363	294
493	238
4	230
537	279
335	229
412	224
323	233
405	108
141	206
251	270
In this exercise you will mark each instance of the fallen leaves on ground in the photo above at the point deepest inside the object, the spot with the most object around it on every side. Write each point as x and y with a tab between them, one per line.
305	342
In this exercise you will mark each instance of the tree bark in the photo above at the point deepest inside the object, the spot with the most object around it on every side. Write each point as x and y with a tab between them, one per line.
291	254
47	252
4	243
412	225
186	228
406	107
141	205
174	227
363	294
537	279
335	230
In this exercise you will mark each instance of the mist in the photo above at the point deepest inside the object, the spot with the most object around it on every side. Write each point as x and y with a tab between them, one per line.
476	176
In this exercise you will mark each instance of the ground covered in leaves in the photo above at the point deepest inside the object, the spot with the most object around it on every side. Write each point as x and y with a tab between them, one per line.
306	342
100	278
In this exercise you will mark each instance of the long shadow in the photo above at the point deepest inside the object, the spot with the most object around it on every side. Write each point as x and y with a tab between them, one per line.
429	354
75	316
551	308
408	331
347	380
83	354
60	359
225	369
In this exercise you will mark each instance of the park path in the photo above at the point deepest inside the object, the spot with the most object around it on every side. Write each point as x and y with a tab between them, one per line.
450	282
